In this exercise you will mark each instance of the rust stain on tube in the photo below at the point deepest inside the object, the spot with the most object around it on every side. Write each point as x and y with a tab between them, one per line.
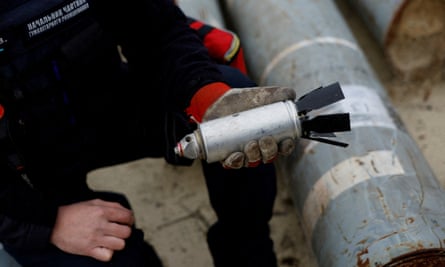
421	258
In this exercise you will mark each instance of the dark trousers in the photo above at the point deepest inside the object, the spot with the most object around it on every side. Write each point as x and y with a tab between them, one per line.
242	199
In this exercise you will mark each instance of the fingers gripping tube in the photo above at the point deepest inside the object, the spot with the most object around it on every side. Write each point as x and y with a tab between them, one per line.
216	139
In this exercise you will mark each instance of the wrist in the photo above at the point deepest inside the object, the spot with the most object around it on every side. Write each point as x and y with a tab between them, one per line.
204	98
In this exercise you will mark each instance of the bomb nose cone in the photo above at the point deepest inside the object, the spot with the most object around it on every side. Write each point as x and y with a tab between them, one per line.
188	147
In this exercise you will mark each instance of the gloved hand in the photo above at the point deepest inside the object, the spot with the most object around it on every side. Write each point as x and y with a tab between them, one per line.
218	100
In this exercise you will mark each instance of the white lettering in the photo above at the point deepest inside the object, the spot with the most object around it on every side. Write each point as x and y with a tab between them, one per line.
45	20
44	28
56	17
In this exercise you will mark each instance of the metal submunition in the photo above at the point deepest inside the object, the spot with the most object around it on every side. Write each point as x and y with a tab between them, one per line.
216	139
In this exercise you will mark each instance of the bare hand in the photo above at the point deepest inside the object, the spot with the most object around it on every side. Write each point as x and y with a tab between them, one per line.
94	228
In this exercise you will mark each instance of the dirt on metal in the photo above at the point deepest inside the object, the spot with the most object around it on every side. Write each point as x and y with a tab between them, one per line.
415	44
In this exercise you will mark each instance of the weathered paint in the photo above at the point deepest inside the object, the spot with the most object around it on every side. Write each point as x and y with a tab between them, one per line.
379	15
374	202
411	32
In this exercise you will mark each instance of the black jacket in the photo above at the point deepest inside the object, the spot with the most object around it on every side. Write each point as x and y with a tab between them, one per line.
60	73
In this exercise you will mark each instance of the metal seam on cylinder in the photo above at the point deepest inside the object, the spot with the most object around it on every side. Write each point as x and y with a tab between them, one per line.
329	185
302	44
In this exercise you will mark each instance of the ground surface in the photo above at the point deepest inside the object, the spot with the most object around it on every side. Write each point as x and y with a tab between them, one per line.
171	203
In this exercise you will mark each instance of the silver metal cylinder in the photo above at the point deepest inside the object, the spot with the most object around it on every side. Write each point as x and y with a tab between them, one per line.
216	139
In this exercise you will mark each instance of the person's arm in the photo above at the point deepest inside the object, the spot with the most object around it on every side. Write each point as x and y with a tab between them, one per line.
94	228
156	39
26	219
224	46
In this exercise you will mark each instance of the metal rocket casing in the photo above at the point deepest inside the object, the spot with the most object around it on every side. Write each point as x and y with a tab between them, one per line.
216	139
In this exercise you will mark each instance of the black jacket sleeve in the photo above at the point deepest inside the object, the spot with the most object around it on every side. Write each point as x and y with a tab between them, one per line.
26	219
156	38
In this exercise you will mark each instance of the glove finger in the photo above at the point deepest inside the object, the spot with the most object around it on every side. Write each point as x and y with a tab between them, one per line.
253	153
286	146
268	148
234	161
